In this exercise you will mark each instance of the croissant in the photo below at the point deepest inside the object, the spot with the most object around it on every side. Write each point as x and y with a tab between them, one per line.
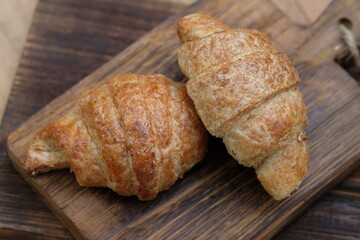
136	134
246	93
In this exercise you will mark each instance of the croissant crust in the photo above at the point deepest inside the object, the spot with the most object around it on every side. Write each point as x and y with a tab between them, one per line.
246	93
136	134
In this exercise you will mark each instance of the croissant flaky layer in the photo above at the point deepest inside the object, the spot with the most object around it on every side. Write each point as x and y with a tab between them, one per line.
136	134
246	93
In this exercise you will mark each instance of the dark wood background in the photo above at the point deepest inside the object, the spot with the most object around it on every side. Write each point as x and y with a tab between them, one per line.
67	41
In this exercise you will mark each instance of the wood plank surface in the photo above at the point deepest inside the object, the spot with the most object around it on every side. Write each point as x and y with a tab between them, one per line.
94	32
49	74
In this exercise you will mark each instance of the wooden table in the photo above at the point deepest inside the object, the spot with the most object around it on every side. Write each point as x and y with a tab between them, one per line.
70	39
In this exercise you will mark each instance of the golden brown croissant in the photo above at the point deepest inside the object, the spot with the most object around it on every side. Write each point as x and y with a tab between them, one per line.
246	93
136	134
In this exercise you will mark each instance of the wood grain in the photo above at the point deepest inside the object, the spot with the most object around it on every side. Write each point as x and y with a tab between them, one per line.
334	217
319	221
55	57
233	205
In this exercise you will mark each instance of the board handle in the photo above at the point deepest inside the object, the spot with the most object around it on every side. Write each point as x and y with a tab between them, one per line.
350	58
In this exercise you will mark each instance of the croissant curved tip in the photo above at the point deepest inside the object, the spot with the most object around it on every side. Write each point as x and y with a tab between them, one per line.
198	25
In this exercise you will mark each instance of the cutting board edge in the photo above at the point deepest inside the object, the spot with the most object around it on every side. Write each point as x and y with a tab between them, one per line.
265	234
64	219
307	203
37	187
104	71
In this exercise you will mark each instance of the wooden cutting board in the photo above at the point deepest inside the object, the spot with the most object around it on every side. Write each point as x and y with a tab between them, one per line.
218	197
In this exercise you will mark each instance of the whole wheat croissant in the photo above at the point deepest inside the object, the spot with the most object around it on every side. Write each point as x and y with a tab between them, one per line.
246	93
136	134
